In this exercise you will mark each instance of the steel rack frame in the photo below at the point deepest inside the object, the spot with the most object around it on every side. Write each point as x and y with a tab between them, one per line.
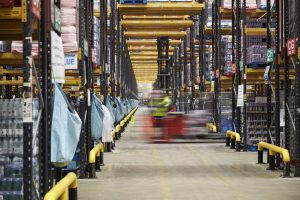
46	177
297	98
103	48
192	65
277	79
185	98
28	188
112	48
202	43
216	26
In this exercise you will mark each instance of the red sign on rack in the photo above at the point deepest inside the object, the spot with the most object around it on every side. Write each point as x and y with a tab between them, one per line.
36	8
233	68
291	47
217	73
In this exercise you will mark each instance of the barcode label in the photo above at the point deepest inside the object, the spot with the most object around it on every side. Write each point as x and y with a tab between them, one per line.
27	111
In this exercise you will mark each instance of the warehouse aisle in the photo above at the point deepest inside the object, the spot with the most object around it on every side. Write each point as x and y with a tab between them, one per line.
209	171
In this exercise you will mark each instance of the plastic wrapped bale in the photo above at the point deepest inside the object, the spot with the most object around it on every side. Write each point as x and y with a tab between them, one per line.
65	129
97	115
108	125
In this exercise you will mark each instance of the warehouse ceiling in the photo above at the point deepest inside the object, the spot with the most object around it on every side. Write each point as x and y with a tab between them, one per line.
144	23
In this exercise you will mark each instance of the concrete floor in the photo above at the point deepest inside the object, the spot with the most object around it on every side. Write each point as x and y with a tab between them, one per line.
184	171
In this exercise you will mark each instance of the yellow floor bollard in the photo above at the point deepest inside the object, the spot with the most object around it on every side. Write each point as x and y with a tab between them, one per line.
132	120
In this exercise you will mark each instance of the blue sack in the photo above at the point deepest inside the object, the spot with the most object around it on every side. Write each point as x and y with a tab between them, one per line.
65	129
97	115
110	106
119	111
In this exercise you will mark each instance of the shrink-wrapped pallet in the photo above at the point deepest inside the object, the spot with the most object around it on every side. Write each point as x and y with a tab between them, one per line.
17	47
249	4
10	3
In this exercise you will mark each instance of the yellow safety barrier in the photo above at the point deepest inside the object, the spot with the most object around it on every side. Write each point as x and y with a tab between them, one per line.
234	139
118	128
273	149
65	189
95	152
132	120
122	123
211	127
95	159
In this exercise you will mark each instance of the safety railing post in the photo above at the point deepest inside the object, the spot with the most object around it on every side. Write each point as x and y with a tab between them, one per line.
92	170
101	159
260	156
273	149
66	188
286	169
271	162
98	163
73	194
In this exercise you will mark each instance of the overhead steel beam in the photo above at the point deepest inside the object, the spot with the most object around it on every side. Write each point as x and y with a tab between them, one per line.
161	8
157	23
154	34
150	42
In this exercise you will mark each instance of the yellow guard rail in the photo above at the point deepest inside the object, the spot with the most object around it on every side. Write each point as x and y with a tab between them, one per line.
234	139
273	149
95	159
211	127
65	189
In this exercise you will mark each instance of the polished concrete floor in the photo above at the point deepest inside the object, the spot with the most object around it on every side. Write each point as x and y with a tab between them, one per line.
138	170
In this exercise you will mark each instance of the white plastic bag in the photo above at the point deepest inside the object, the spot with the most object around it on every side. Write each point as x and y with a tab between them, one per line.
108	125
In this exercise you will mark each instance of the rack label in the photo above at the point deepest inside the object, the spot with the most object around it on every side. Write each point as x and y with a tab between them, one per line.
27	110
270	55
240	99
71	61
291	47
57	19
86	47
266	74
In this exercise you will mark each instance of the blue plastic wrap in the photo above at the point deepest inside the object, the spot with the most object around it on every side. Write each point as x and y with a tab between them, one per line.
96	117
110	106
65	129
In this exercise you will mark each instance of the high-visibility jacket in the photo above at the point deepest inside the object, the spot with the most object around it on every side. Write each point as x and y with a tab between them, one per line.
162	108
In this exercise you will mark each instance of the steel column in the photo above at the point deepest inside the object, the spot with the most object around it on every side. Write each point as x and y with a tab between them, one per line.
297	98
27	95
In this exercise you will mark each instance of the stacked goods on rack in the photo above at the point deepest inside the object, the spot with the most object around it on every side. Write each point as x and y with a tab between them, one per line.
5	46
208	63
17	47
256	45
10	3
11	148
256	54
257	122
69	26
226	55
249	4
225	111
262	4
96	58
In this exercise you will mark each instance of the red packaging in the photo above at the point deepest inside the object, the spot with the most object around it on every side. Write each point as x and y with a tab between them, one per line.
10	3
